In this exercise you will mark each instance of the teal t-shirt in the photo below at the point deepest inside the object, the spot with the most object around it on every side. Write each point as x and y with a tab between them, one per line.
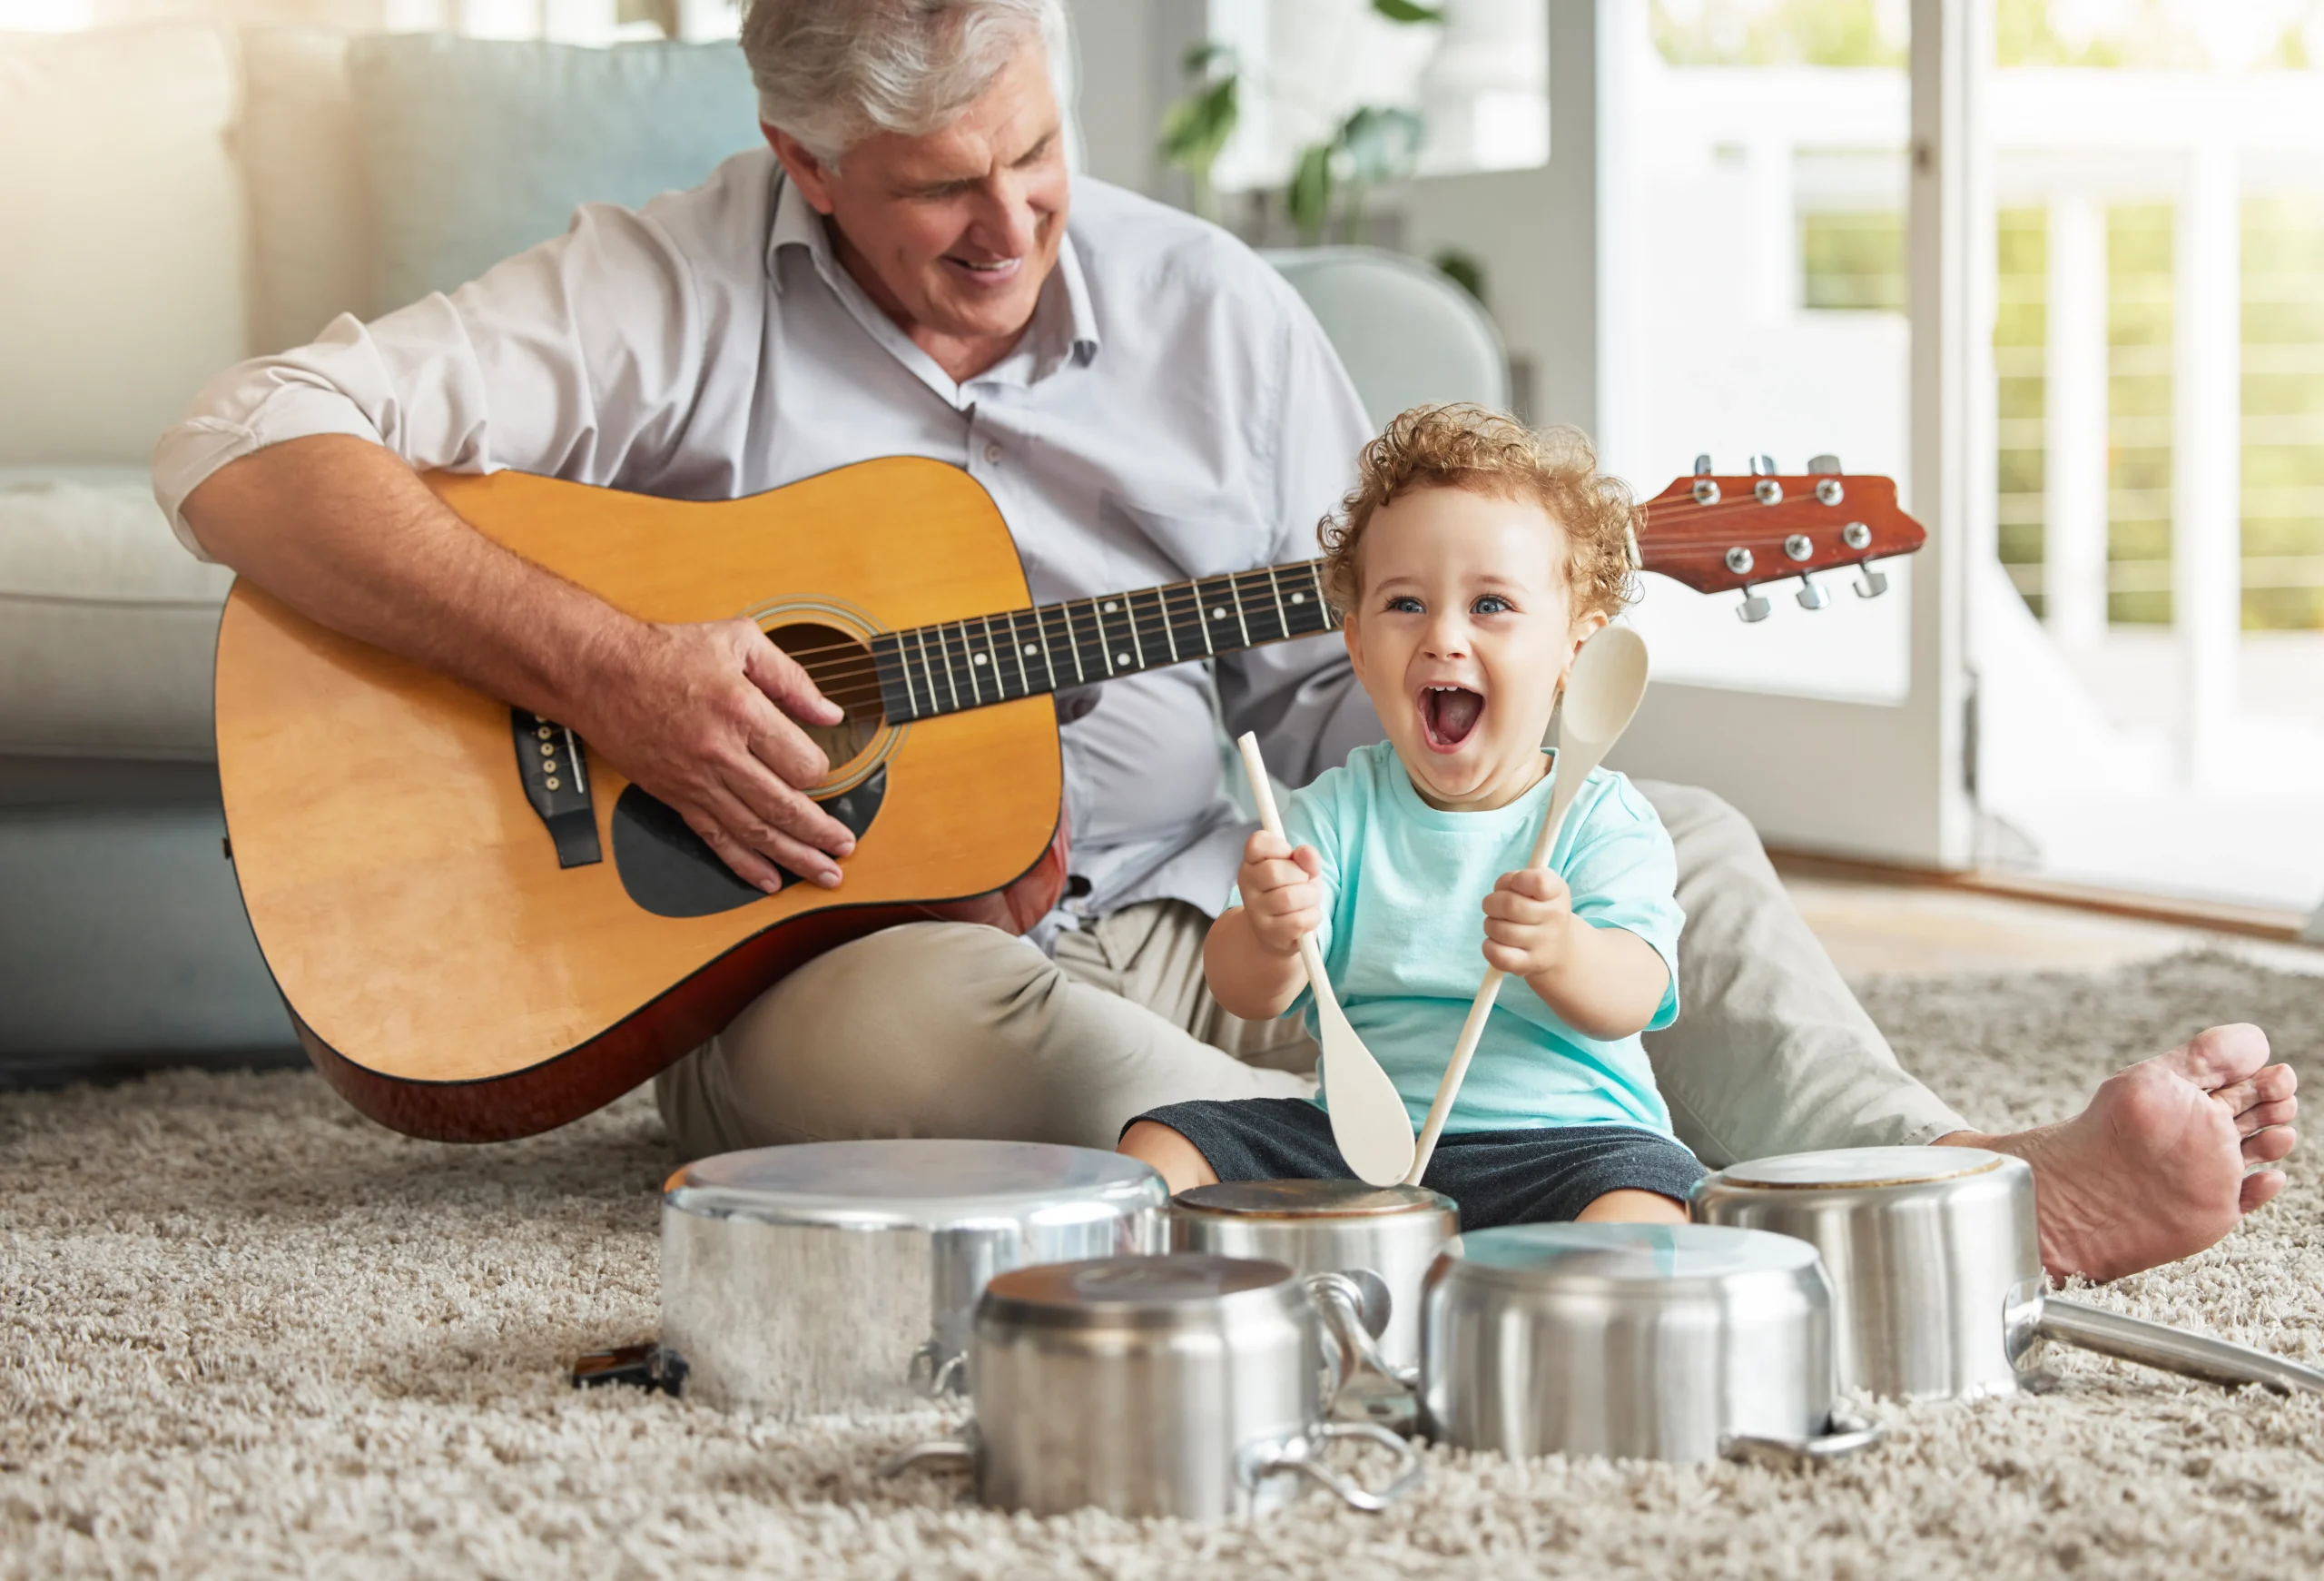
1404	934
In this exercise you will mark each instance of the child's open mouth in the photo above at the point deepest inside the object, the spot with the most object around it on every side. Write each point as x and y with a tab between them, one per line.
1447	715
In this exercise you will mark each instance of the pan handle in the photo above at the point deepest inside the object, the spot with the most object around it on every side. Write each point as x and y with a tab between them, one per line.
1300	1455
1341	1301
1847	1435
956	1451
2172	1349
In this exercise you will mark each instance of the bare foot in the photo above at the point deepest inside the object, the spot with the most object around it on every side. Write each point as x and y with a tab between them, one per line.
2153	1170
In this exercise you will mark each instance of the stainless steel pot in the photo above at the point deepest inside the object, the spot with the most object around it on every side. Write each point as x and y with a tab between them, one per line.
1181	1384
1383	1238
1666	1342
833	1276
1935	1263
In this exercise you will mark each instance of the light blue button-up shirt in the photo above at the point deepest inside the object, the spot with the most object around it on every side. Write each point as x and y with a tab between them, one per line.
1172	412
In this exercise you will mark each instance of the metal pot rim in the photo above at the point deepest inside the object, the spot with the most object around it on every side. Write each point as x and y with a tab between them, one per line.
1023	1297
1335	1199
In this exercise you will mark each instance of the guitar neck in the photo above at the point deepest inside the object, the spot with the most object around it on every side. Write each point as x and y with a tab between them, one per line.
954	665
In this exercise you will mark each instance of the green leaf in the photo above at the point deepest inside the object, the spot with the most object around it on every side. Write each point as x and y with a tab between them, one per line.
1381	144
1408	11
1195	128
1199	58
1309	197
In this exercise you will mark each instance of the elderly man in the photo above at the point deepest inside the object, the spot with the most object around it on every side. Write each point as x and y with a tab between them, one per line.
909	269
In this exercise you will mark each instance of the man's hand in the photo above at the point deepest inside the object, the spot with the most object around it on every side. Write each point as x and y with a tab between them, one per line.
1529	922
704	718
1279	893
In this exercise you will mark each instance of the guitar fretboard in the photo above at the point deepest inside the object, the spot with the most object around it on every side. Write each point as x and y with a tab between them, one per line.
994	658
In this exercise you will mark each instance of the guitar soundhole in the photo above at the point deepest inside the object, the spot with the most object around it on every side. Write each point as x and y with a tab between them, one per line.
840	666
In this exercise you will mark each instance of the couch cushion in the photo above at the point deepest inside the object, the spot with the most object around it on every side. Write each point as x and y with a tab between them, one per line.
121	282
477	149
107	627
310	213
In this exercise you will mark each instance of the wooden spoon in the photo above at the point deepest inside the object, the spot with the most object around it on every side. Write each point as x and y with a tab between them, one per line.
1368	1118
1602	694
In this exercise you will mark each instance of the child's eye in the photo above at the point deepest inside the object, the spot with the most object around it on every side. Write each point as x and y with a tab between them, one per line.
1490	604
1405	604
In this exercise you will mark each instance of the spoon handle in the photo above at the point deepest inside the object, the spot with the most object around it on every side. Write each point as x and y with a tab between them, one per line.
1271	820
1473	1030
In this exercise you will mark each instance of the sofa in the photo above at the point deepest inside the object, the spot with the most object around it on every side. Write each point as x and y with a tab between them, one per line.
196	194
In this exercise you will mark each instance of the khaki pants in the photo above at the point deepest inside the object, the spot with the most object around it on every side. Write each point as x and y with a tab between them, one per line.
949	1029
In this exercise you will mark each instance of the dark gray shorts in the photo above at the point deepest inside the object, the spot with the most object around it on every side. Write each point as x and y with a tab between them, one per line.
1497	1177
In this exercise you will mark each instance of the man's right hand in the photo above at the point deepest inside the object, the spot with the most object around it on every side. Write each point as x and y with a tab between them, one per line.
705	718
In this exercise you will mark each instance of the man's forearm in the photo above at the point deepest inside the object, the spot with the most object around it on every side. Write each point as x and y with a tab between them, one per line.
345	532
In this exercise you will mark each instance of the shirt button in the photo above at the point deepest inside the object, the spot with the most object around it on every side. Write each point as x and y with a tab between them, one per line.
992	452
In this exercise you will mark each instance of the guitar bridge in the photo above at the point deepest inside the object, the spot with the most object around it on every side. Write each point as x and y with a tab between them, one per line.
556	775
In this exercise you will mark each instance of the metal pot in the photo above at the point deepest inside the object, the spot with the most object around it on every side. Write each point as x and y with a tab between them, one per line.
1383	1238
1936	1262
835	1276
1181	1384
1665	1343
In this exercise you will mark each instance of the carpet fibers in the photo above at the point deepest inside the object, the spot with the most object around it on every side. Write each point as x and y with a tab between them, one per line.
243	1331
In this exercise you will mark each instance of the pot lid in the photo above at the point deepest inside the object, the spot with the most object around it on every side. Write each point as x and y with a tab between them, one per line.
1863	1166
916	1183
1629	1254
1310	1200
1119	1284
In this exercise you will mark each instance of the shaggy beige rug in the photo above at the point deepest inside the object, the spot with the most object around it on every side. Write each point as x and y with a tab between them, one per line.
243	1331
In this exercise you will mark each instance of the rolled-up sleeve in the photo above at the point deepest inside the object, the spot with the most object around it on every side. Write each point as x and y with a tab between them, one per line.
1301	697
577	359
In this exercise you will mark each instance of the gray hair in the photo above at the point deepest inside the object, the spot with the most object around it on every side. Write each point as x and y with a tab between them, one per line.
833	71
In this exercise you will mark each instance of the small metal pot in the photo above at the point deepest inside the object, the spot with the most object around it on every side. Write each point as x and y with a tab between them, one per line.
842	1275
1936	1262
1664	1342
1180	1385
1383	1238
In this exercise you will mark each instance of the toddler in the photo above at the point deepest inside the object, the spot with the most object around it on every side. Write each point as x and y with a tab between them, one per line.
1472	560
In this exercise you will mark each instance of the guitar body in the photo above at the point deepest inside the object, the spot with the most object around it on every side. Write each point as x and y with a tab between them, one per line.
449	973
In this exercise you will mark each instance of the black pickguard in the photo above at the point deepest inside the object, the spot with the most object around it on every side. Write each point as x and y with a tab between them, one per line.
668	871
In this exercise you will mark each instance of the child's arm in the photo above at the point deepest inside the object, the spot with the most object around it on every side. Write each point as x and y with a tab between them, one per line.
1603	983
1251	956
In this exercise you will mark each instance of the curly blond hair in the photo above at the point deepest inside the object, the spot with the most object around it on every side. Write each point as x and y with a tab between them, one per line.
1462	446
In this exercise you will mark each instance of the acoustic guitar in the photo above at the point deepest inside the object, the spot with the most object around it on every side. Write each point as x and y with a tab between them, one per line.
483	932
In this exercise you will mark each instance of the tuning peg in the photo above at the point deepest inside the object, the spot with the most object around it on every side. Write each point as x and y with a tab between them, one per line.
1702	465
1823	465
1763	466
1754	609
1870	584
1810	596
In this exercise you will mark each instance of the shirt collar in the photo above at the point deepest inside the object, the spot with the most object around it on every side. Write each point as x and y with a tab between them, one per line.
1064	328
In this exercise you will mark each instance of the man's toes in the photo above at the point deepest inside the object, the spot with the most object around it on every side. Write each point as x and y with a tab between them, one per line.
2260	1116
2218	1056
2277	1082
2265	1147
2260	1189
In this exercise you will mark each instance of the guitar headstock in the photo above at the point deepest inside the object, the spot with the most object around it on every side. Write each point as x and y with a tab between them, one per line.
1718	533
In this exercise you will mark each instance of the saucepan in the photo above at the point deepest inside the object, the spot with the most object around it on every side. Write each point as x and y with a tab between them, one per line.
1684	1342
1382	1238
1179	1385
1936	1264
840	1276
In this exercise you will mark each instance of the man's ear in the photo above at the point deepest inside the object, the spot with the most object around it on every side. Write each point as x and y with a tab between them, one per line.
805	171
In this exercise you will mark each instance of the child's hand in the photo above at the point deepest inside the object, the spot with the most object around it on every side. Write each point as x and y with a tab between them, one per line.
1529	922
1279	891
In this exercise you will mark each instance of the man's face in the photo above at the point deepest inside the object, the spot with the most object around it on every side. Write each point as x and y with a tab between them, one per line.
1462	634
957	230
